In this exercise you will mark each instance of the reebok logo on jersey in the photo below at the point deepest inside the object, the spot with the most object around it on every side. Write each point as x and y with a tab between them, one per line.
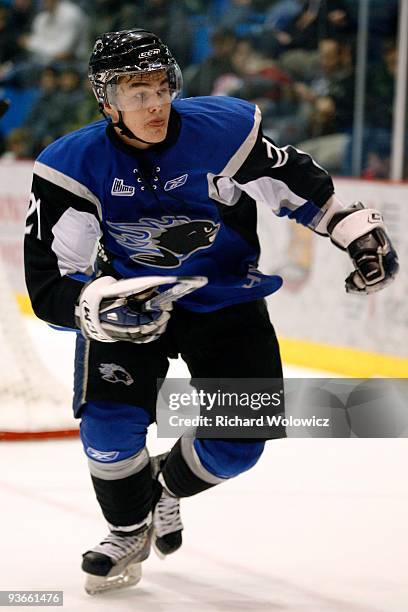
120	189
174	183
101	455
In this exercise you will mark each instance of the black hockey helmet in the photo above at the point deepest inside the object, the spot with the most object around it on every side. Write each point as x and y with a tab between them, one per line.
128	52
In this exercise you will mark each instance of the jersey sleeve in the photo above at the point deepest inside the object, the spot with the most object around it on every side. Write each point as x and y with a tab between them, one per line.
286	179
62	231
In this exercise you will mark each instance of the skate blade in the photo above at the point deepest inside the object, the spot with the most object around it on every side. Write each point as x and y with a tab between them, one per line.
158	552
101	584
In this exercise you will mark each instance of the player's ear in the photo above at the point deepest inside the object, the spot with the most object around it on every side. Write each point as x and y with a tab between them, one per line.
112	112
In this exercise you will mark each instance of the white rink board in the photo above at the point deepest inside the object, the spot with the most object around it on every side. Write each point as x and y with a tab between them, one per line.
15	185
312	304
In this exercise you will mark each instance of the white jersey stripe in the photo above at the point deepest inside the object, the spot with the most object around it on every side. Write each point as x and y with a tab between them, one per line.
237	159
273	193
75	237
67	183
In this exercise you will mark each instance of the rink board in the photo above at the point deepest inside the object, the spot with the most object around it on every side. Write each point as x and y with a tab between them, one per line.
319	325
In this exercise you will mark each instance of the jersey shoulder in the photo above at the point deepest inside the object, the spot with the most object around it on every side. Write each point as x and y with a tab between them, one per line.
225	128
219	112
76	153
213	105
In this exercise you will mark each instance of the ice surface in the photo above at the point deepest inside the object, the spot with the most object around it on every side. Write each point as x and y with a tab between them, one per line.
317	525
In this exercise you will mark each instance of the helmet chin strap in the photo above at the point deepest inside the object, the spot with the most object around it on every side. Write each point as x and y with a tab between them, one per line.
124	130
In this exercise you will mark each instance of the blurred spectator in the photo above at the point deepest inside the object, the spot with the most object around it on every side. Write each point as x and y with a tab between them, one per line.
302	23
381	87
260	79
200	79
292	57
166	18
379	114
21	16
255	77
17	145
240	15
14	21
334	20
382	22
45	113
59	32
70	86
9	49
377	158
282	14
320	19
169	19
328	105
87	111
69	97
331	93
108	16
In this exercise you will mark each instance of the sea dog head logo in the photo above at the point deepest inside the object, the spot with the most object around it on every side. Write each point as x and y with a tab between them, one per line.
165	242
115	373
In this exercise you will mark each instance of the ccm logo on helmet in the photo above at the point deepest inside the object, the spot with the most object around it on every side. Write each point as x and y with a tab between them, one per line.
149	53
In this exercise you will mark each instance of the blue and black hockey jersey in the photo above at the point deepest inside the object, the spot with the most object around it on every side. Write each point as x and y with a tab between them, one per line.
186	206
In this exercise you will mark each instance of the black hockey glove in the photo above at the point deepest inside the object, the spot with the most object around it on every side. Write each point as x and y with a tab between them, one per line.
360	231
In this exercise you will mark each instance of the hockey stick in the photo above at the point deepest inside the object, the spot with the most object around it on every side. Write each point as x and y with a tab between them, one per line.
100	299
183	286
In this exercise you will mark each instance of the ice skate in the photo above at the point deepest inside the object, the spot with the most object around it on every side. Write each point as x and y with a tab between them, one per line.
167	525
116	562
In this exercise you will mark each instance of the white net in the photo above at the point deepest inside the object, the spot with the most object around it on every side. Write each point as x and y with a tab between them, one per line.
33	401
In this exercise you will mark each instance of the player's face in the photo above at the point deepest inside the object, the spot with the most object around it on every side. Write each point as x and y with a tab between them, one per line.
145	102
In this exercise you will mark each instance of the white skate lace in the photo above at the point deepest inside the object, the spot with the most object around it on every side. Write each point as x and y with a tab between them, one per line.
117	547
167	514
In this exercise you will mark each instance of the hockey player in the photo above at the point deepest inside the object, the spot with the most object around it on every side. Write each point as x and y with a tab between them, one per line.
167	188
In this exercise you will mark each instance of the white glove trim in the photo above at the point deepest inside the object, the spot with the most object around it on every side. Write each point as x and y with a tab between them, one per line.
355	225
88	308
332	206
108	287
